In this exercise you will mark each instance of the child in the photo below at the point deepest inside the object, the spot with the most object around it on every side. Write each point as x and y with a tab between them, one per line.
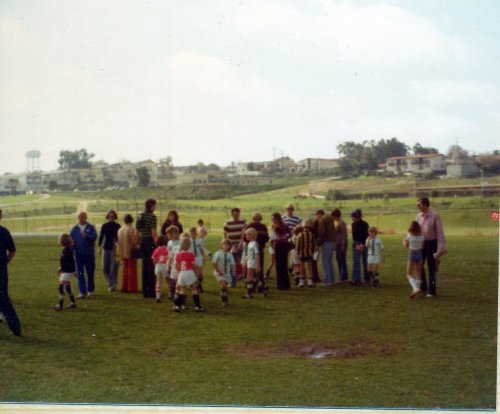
66	271
294	257
250	261
272	258
305	250
202	233
197	249
375	249
184	261
414	241
160	258
224	265
173	247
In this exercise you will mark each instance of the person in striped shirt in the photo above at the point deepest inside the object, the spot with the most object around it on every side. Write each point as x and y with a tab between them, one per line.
306	246
289	218
233	230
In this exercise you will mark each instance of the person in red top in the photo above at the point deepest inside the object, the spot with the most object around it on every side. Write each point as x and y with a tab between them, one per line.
184	262
160	257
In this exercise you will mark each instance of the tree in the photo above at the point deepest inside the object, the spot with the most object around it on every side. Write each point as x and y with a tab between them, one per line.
458	154
75	159
420	150
389	148
143	177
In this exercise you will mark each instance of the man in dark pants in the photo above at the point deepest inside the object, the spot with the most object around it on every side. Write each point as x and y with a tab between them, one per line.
146	225
432	229
7	252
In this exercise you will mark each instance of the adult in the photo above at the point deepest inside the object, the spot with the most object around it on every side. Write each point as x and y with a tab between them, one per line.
233	230
128	239
7	252
290	219
434	243
146	226
280	236
326	242
359	231
262	238
171	220
340	244
314	268
84	236
108	237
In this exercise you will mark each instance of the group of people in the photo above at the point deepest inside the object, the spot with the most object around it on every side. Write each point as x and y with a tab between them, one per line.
175	258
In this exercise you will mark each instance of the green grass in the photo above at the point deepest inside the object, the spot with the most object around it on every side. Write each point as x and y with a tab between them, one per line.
428	353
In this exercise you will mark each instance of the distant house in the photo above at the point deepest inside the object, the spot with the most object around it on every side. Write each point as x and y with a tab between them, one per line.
463	170
417	164
318	164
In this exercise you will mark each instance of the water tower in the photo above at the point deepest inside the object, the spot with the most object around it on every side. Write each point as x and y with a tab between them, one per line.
33	160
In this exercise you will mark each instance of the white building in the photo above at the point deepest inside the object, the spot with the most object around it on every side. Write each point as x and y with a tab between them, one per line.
417	164
317	164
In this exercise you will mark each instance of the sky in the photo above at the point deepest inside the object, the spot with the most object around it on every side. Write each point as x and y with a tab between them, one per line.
245	80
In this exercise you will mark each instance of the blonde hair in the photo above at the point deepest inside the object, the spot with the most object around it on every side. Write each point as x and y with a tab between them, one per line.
173	231
185	244
225	241
373	230
251	232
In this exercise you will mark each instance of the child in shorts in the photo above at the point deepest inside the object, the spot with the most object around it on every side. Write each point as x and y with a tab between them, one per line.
173	246
294	256
305	248
250	261
66	271
199	254
184	262
414	242
160	258
224	266
375	249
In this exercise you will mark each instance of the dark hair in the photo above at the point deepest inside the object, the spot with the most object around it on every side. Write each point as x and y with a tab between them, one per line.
65	240
320	211
235	210
175	214
200	221
112	212
424	201
415	229
149	204
357	213
161	240
128	219
336	213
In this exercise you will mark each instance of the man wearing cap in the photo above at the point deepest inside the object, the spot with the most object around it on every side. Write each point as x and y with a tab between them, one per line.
7	252
434	243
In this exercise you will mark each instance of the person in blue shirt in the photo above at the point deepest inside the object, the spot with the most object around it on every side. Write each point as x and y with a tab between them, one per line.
84	236
7	252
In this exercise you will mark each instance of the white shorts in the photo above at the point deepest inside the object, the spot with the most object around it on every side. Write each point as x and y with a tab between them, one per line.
186	278
66	277
198	262
271	251
223	278
373	259
251	264
295	257
161	270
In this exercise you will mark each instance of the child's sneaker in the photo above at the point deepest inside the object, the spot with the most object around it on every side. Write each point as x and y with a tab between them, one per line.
81	296
58	308
158	300
416	293
177	309
247	296
199	309
310	284
72	305
375	283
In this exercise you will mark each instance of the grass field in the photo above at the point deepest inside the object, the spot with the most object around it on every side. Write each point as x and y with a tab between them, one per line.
385	349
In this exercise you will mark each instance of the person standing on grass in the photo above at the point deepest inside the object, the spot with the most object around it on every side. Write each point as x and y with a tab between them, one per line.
233	230
280	242
199	254
223	263
314	264
414	242
171	220
375	249
128	239
202	233
306	246
340	244
109	235
262	239
84	236
326	242
67	270
173	247
359	230
160	258
434	243
146	226
7	252
184	262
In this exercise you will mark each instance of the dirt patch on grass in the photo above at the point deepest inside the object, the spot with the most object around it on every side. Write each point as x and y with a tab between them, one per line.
354	349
